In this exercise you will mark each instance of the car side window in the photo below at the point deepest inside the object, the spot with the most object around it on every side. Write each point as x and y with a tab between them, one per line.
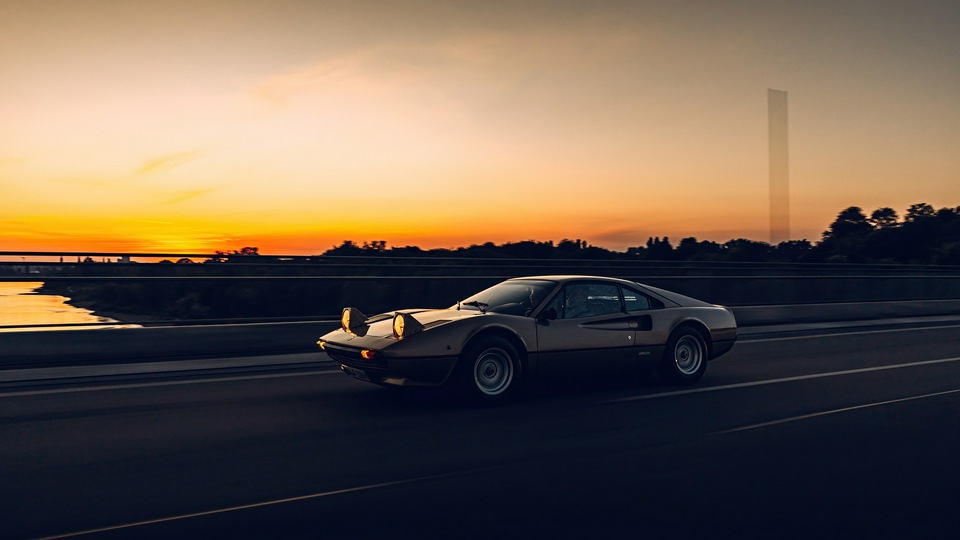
557	304
637	301
589	300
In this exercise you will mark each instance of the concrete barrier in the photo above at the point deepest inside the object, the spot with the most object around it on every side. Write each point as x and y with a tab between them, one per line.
121	345
842	311
124	345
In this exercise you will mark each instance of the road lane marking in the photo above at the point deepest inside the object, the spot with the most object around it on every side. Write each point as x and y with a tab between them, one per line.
367	487
746	339
160	383
782	380
834	411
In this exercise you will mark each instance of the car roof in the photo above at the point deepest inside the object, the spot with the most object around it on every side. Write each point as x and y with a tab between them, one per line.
671	298
563	278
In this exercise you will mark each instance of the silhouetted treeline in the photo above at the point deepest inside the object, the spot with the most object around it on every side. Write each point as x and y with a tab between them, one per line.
923	236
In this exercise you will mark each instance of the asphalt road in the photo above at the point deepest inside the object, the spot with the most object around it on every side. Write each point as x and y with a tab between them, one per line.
833	434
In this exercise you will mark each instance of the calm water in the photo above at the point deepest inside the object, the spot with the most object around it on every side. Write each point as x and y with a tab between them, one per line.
20	305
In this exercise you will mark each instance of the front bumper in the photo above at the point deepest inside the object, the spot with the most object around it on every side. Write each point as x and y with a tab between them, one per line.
390	370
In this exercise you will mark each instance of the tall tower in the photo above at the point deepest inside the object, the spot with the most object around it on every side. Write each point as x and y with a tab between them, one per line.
779	167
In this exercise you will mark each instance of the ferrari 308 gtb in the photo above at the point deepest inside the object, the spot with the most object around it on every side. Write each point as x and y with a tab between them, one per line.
528	327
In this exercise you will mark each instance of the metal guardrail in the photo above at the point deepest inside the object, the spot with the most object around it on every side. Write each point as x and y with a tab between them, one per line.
457	277
31	349
451	261
329	269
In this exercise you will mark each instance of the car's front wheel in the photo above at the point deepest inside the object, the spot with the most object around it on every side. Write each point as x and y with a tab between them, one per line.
685	357
490	371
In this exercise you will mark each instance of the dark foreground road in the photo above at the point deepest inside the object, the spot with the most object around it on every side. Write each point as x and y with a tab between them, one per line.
852	435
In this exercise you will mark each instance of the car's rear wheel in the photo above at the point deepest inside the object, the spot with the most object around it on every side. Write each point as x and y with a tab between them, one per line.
490	371
685	357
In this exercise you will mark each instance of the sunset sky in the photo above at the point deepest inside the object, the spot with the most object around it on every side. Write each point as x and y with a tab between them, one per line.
194	126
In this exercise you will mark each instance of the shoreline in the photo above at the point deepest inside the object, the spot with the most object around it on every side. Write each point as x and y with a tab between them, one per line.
92	306
31	305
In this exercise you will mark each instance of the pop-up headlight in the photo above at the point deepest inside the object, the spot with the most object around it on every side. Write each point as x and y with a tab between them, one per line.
404	325
352	319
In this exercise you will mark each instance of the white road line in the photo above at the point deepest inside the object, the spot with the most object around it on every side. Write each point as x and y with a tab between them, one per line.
260	504
160	383
834	411
782	380
746	340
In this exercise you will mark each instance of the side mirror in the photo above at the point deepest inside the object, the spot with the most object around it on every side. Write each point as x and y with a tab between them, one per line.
548	314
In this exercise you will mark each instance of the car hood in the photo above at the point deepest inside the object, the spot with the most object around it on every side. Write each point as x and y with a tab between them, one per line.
429	318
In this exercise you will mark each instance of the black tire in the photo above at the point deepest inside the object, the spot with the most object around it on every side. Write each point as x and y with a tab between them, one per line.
685	357
489	371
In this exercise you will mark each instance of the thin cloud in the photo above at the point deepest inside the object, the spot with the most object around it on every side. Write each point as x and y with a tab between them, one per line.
10	161
617	237
489	62
167	162
189	194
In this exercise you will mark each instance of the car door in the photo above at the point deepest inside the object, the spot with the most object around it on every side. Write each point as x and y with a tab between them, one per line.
646	317
590	331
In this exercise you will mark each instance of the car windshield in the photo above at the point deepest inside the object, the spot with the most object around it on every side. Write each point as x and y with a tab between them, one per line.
516	297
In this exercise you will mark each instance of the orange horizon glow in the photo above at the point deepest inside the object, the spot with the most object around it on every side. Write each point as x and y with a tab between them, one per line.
453	231
290	126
